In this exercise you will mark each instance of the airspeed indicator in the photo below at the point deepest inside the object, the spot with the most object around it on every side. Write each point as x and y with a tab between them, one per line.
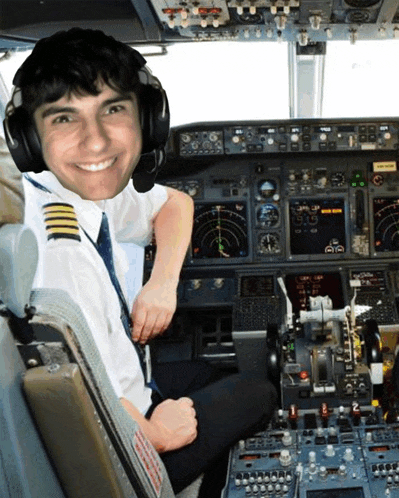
220	231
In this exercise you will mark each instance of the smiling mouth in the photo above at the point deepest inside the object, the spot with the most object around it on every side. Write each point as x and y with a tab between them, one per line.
96	166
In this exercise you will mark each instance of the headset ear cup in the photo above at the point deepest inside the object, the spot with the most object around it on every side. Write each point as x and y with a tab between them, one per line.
23	142
155	118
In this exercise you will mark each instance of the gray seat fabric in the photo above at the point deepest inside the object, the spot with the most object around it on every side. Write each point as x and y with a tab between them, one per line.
25	468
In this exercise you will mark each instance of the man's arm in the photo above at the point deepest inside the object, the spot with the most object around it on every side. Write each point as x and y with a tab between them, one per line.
171	426
155	305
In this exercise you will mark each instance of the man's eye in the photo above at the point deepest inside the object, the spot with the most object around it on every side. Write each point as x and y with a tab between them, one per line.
62	119
115	108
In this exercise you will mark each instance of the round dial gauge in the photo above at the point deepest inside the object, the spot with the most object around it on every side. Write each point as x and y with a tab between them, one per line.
268	215
338	179
220	231
269	243
267	188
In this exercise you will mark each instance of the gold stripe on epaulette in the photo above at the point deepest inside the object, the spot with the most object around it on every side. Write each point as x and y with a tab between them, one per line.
61	221
53	207
53	222
58	214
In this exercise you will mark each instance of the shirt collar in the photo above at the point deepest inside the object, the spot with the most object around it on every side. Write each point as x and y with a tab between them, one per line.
89	213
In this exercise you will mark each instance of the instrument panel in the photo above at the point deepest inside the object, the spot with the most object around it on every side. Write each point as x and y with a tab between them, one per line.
297	199
293	208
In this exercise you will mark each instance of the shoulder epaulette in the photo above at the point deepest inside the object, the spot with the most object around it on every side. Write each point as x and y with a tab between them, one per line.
61	221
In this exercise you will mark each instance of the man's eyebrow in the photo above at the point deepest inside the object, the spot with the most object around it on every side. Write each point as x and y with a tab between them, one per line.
115	100
55	109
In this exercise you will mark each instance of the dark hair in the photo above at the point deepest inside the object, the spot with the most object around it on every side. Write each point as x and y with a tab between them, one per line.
74	61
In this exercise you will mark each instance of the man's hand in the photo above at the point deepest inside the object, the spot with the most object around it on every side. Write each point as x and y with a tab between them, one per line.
175	424
153	310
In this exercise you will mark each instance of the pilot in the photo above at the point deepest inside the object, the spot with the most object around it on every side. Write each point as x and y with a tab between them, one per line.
82	110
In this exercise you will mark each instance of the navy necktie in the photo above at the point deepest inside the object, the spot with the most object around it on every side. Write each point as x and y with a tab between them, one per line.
104	248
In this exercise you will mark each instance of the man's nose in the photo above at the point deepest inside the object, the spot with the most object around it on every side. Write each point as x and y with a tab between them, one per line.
95	137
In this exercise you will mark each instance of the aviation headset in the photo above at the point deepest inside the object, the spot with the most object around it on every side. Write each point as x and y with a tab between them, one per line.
24	144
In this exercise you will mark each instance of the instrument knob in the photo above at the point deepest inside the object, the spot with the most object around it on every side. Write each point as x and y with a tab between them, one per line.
323	472
330	452
218	283
285	458
287	439
196	284
235	139
348	455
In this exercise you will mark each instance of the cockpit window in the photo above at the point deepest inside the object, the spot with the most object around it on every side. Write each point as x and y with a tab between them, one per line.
360	80
9	65
234	81
222	81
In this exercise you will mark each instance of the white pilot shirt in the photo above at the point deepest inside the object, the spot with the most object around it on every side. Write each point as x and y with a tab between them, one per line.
75	266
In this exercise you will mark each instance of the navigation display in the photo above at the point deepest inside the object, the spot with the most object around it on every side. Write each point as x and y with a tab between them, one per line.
386	223
317	226
220	231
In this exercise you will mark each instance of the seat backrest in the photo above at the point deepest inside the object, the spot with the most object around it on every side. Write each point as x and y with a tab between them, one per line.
25	468
137	468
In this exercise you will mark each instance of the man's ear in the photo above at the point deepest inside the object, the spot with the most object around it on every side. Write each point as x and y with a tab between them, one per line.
23	141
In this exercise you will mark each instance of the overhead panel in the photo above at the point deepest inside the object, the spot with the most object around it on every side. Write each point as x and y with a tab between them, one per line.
146	21
302	21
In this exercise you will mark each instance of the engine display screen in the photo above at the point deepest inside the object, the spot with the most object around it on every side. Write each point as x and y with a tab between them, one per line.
301	287
317	226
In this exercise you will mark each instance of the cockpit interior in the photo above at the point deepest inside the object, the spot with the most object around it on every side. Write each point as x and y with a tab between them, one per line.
292	273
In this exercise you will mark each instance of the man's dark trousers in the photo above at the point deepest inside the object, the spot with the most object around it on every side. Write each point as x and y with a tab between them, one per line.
227	410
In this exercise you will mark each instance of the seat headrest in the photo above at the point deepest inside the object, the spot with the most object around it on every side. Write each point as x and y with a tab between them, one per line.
18	264
11	190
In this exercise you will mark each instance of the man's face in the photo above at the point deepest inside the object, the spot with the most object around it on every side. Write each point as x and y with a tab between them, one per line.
91	143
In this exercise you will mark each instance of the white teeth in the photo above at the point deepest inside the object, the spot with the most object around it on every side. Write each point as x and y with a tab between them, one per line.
98	166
